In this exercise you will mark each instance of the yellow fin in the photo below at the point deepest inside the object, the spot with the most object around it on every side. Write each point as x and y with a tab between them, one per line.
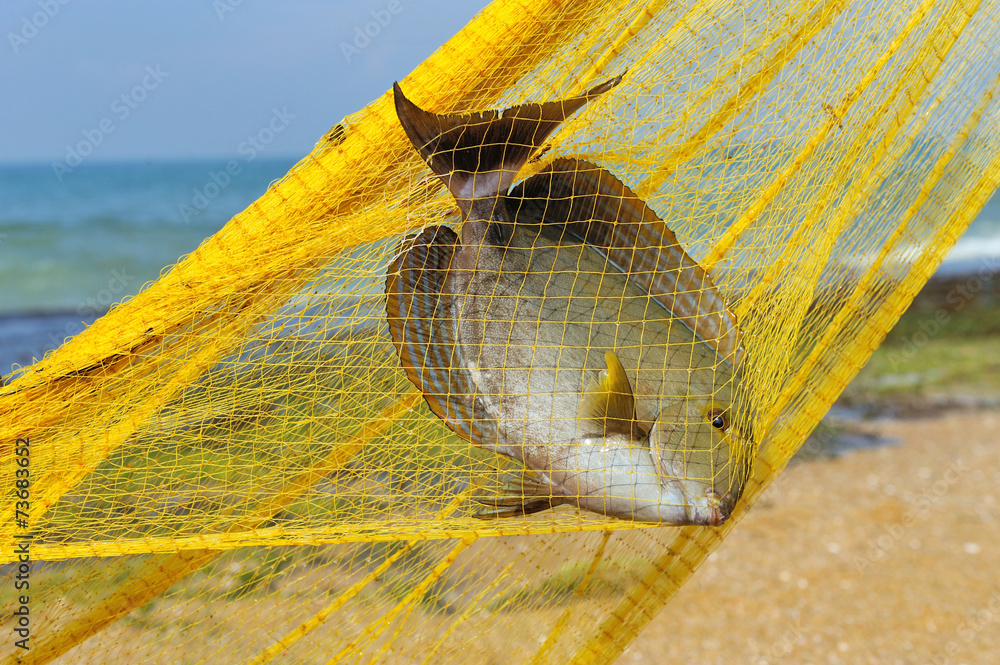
611	402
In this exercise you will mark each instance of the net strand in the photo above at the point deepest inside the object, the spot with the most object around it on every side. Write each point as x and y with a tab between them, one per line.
239	444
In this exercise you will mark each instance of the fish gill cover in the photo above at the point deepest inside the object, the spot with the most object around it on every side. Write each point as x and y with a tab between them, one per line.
233	466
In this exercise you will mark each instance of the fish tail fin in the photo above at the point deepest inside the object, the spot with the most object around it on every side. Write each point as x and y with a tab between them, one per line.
478	155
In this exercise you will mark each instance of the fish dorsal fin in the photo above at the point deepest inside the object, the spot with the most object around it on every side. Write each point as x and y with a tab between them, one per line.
478	155
610	401
423	329
574	199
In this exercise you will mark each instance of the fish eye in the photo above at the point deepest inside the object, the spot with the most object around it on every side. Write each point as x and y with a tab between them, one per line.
719	419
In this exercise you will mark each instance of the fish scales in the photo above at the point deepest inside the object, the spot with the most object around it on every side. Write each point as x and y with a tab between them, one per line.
558	340
564	326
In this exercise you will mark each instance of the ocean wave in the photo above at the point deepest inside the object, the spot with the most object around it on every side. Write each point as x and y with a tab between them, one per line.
973	248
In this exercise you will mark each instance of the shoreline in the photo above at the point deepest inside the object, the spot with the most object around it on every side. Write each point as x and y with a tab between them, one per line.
873	546
23	336
913	373
942	355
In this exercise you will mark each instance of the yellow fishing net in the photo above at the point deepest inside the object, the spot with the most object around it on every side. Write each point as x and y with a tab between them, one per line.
233	467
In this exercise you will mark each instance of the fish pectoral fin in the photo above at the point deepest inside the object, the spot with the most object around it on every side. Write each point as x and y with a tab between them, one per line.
572	199
524	496
478	155
610	402
424	331
529	485
492	510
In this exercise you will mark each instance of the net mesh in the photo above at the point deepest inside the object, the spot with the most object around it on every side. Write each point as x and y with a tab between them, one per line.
232	466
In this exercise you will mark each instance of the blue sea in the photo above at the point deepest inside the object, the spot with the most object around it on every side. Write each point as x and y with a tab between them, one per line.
70	246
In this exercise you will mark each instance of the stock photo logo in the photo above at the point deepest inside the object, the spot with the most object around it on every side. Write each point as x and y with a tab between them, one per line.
364	34
956	300
122	107
249	149
33	24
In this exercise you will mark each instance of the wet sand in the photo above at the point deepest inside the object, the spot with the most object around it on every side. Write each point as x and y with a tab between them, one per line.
883	556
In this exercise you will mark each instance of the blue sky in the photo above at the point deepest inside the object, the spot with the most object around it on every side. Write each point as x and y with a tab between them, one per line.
195	78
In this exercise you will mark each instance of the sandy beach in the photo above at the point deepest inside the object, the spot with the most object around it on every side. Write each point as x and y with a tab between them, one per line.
883	556
886	554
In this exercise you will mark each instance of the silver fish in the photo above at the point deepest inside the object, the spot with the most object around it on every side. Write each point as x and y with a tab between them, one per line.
567	329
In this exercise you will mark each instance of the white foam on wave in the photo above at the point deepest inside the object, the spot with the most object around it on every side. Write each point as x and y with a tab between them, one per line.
973	248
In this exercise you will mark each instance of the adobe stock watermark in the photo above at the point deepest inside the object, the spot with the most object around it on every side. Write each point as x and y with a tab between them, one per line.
122	107
223	7
363	35
958	298
218	180
969	629
781	648
31	25
920	507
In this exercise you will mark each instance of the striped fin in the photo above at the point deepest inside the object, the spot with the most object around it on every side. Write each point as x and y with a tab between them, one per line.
423	329
583	201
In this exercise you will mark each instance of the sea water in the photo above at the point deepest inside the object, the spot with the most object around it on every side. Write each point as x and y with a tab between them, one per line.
74	243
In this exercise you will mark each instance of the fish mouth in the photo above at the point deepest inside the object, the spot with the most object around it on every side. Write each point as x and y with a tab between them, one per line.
702	506
713	509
